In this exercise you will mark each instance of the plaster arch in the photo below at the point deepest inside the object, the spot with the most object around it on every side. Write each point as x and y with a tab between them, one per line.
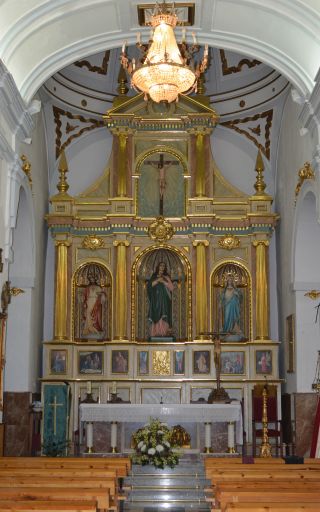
91	26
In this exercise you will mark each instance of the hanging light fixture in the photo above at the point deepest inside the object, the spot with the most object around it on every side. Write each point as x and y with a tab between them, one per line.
166	68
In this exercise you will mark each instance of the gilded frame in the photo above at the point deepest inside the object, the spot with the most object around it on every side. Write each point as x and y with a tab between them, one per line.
290	343
120	362
176	361
203	366
90	363
134	287
58	365
235	367
213	304
140	363
263	359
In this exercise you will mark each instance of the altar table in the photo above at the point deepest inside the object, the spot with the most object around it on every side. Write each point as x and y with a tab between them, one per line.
168	413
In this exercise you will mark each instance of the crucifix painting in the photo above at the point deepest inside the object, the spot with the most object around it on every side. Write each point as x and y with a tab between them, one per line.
161	186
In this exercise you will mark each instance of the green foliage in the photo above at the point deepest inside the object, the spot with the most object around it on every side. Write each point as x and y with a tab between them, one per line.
54	447
153	446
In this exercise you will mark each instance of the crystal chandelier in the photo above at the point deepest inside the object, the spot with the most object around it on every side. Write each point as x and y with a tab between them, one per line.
166	69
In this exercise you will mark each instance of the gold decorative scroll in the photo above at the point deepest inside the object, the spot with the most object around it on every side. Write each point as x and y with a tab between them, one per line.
161	362
201	287
92	242
305	173
229	242
26	167
313	294
121	290
160	230
262	306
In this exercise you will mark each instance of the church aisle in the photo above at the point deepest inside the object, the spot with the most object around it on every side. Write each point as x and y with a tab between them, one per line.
178	490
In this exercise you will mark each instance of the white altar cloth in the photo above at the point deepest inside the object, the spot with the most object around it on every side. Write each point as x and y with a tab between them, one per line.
169	413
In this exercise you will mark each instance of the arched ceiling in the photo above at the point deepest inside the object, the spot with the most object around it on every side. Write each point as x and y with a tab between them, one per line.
41	37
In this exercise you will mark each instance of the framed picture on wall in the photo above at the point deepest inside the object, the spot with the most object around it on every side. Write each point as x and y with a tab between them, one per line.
179	362
201	362
264	362
143	362
91	362
233	363
58	361
119	361
290	343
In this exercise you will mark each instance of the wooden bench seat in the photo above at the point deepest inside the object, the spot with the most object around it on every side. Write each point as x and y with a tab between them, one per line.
48	506
63	472
265	496
108	484
100	496
274	507
233	476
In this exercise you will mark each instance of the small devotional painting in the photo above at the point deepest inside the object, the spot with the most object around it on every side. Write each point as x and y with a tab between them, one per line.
92	303
264	362
119	361
143	362
58	361
179	363
91	362
232	363
201	361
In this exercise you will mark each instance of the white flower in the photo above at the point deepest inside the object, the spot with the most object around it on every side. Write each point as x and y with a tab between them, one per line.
160	432
151	451
143	448
167	444
140	444
159	448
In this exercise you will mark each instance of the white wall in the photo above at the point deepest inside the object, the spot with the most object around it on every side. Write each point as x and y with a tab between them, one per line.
294	150
26	271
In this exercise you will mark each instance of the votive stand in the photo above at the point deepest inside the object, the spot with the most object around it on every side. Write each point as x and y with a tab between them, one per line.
207	438
231	447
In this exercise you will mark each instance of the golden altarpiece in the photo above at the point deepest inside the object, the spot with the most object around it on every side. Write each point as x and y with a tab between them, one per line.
156	254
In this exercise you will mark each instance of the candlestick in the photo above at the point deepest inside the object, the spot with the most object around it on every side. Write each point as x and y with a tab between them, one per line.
183	34
124	46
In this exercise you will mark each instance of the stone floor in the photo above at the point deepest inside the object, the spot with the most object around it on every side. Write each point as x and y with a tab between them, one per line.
178	490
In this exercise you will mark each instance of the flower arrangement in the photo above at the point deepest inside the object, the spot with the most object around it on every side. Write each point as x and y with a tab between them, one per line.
153	445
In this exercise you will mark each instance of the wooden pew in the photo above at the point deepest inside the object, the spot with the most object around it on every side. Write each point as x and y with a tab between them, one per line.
48	506
274	507
122	464
263	496
100	496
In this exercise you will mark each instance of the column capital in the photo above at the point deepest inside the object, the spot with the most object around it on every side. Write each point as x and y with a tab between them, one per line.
120	243
59	243
197	243
266	243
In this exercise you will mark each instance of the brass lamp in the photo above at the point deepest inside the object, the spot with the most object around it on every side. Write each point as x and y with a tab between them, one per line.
166	68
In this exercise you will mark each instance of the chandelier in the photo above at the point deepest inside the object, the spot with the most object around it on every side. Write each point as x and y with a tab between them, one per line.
166	68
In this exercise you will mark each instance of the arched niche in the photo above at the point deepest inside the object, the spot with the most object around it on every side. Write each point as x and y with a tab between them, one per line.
165	167
92	303
306	248
163	308
231	302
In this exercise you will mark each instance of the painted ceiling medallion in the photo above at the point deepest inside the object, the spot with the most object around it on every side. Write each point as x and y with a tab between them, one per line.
92	242
160	230
229	242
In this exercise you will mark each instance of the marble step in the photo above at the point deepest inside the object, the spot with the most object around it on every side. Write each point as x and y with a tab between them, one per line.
167	481
167	505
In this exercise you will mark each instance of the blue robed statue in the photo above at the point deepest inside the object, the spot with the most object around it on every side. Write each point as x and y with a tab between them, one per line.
159	289
231	298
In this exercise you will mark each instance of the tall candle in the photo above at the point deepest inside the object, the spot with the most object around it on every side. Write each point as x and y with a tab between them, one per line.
114	387
89	387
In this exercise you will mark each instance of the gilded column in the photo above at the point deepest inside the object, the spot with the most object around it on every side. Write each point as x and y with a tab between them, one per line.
201	288
262	302
121	312
60	316
122	176
200	163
